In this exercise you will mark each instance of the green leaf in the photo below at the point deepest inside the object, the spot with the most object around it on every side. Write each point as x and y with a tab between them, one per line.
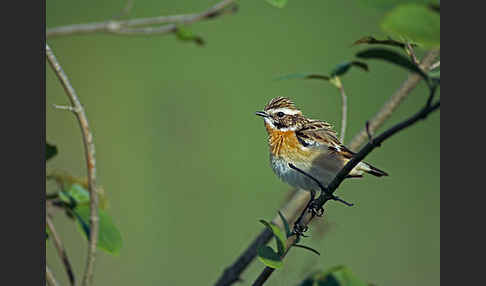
277	3
416	22
303	76
392	57
344	67
185	34
109	238
285	223
269	257
336	276
279	237
51	151
370	40
76	194
307	248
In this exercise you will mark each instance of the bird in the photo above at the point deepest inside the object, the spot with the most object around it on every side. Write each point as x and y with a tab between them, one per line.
303	150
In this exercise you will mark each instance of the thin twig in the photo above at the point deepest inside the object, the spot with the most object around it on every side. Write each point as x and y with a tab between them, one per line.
61	250
126	27
50	277
368	131
89	151
343	173
344	112
411	52
299	199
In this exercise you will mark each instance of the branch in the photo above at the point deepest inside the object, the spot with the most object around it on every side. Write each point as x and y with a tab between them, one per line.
344	112
327	193
89	149
299	199
411	53
389	107
50	277
61	250
126	27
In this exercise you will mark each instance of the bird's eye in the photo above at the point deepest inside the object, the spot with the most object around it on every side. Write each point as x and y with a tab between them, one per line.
280	114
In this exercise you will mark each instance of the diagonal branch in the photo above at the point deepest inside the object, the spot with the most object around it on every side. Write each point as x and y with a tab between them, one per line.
51	281
299	199
127	27
327	194
89	149
61	250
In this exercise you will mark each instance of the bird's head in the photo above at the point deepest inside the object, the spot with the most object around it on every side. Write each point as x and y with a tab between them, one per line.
281	114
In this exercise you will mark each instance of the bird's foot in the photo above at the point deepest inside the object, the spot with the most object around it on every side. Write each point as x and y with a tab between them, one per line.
315	209
299	229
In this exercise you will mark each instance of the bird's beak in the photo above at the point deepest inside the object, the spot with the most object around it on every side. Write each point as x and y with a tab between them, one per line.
262	114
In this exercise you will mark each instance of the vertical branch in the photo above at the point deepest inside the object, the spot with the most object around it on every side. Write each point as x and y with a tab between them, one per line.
89	149
61	250
344	109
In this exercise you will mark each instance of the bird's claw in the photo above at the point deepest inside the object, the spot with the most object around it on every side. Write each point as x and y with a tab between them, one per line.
299	229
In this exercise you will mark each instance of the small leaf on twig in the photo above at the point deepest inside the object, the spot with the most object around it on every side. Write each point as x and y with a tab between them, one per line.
389	42
308	248
303	76
269	257
185	34
51	151
109	238
344	67
279	237
277	3
392	57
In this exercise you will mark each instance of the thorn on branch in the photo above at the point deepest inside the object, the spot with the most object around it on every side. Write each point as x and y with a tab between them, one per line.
66	107
370	135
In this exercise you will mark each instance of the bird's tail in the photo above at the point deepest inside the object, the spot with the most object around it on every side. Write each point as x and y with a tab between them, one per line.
365	167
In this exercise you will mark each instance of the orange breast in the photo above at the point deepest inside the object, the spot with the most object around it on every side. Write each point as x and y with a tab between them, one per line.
285	144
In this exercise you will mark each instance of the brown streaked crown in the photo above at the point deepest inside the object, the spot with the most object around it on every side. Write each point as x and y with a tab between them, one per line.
280	102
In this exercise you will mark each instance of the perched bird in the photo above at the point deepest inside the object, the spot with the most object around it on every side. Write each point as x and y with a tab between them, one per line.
310	145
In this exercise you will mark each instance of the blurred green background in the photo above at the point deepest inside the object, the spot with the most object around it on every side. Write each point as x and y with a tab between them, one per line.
184	160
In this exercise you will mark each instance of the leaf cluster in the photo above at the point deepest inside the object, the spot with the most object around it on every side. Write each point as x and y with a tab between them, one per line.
74	198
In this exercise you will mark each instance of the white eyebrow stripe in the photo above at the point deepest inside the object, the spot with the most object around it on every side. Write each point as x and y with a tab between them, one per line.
292	128
287	111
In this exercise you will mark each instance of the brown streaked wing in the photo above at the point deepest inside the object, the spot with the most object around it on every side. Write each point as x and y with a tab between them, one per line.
320	133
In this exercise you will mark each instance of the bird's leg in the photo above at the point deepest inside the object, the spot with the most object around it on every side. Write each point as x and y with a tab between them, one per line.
299	229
